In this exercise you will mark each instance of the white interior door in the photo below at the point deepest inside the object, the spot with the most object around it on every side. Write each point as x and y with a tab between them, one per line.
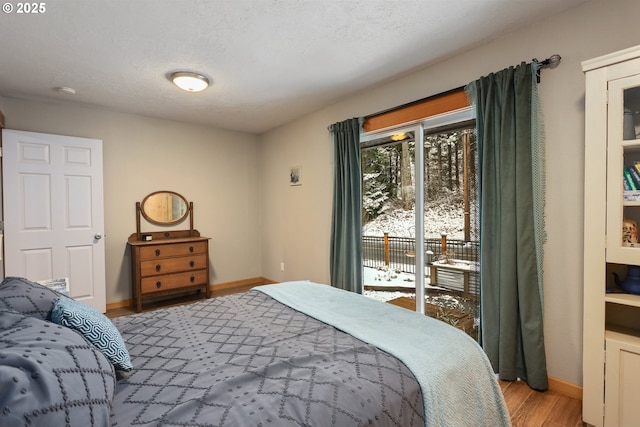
54	211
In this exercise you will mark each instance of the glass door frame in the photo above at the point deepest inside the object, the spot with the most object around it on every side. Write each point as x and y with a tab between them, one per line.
419	128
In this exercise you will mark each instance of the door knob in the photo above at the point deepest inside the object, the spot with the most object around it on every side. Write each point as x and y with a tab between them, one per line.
97	236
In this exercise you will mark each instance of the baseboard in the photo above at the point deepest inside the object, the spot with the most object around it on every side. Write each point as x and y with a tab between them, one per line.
217	289
565	388
119	304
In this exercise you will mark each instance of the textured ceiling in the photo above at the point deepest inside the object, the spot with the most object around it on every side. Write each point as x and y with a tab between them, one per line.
271	61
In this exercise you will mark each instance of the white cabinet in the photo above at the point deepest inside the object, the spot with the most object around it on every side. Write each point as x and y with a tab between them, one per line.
611	350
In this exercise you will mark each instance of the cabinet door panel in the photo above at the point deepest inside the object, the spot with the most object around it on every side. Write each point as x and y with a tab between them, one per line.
623	172
622	384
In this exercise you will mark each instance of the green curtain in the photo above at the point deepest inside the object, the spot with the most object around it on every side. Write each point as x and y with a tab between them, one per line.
346	225
511	222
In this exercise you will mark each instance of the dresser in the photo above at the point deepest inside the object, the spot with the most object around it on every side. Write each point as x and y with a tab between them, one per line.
167	263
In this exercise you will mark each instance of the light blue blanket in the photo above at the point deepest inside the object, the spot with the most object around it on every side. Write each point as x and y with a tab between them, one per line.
457	381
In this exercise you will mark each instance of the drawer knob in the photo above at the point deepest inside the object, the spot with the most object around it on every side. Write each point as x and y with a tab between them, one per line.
191	263
158	267
158	284
190	248
192	278
157	252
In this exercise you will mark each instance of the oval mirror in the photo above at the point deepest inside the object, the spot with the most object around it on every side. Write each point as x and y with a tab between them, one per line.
164	208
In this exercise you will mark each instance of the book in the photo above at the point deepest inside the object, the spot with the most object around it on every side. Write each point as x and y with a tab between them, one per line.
629	178
636	175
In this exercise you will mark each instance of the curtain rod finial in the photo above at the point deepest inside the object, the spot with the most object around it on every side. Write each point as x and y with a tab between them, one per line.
551	62
554	60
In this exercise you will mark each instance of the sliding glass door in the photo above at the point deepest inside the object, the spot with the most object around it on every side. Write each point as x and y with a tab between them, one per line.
391	252
451	226
419	204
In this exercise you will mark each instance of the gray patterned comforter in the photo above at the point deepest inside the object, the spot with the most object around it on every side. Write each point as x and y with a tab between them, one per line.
248	360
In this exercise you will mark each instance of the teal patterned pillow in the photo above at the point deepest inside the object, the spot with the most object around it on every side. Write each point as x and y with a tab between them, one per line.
95	328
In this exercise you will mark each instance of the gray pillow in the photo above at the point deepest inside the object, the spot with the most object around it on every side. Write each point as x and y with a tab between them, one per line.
27	297
50	376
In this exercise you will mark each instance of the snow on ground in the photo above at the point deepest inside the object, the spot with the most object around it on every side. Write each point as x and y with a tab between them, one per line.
385	296
392	280
444	216
433	294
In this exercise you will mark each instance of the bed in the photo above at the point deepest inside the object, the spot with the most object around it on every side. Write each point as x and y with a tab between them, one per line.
290	354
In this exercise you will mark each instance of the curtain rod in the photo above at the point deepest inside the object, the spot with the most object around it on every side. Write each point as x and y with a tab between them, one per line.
551	62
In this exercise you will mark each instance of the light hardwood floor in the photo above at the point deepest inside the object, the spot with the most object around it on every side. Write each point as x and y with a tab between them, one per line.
530	408
527	407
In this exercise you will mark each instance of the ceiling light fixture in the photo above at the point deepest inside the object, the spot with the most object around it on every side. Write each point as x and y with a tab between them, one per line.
398	136
189	81
66	90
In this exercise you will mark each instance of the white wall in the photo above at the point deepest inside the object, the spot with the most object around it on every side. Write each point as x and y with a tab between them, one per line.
296	220
217	170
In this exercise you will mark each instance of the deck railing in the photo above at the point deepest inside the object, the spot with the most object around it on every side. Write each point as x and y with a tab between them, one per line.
398	253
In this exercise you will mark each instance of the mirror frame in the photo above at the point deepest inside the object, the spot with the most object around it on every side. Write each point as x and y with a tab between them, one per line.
175	221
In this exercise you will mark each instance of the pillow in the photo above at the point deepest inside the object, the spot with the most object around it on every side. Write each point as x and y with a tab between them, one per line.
95	328
27	297
50	376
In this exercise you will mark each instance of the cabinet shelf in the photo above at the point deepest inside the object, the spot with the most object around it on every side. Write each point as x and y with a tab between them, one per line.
624	335
631	198
631	145
623	299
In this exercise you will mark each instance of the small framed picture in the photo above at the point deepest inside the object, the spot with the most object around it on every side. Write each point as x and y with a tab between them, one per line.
295	175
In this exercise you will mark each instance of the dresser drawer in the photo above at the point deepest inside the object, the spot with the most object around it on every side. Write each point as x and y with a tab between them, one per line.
173	265
174	281
175	249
